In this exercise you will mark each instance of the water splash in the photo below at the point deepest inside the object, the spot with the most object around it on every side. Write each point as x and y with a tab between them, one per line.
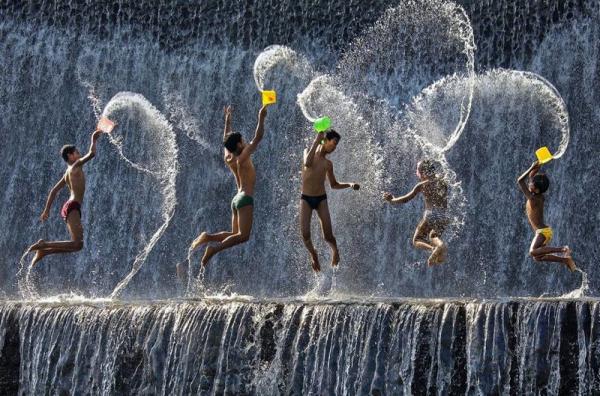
409	54
582	290
280	56
25	283
159	160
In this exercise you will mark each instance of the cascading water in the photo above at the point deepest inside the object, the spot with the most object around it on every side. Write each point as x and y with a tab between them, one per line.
477	85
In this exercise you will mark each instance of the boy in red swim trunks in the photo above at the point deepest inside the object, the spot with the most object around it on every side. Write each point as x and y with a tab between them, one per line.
74	179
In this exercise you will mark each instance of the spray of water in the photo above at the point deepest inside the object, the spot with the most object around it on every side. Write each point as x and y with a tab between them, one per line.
160	162
280	56
408	55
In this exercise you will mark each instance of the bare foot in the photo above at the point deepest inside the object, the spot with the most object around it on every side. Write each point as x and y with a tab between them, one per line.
566	251
199	241
571	264
39	254
314	259
208	253
36	246
335	258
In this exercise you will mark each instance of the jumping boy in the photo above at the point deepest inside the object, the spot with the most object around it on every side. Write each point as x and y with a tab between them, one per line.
74	179
435	219
238	157
534	190
315	168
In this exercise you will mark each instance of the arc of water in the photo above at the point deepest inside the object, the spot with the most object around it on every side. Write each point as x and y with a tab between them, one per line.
560	106
166	179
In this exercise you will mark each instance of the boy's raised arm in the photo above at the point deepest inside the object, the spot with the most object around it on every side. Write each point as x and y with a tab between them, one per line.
404	198
310	154
92	150
227	111
258	135
522	180
57	187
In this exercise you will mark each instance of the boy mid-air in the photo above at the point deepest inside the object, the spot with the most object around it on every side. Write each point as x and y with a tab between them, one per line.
534	185
435	219
238	157
74	179
315	168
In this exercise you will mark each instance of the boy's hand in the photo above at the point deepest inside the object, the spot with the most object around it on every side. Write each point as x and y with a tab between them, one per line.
227	110
388	197
44	216
355	186
319	136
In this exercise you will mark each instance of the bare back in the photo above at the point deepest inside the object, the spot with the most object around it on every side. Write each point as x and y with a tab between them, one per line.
535	211
75	179
313	177
243	171
435	192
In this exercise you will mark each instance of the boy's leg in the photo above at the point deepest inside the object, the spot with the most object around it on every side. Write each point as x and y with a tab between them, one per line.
245	218
539	252
325	220
420	240
440	250
75	228
219	236
305	219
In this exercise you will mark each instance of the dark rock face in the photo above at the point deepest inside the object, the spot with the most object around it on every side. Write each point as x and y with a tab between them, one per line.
419	347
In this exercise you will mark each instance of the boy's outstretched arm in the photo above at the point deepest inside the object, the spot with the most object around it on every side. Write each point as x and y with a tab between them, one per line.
310	154
335	184
404	198
258	135
522	180
92	151
57	187
227	111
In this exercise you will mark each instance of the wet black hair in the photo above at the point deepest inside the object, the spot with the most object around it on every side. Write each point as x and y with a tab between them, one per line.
231	140
541	182
331	134
428	167
66	150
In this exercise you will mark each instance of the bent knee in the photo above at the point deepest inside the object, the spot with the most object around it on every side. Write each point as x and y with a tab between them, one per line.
535	257
244	237
416	240
78	245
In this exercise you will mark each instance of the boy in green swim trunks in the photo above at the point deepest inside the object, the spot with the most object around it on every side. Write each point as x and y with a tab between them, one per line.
534	190
238	157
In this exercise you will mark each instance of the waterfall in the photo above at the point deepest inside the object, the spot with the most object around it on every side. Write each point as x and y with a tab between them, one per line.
282	347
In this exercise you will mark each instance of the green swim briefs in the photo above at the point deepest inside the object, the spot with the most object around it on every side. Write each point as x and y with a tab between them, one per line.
240	200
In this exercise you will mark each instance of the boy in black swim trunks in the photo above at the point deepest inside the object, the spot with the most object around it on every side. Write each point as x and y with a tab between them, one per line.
315	168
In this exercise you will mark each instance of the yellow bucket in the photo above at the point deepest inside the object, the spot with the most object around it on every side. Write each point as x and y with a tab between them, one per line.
268	97
543	155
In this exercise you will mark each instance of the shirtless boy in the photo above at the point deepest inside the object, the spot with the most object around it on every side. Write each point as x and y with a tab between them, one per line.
435	219
315	168
74	179
534	185
238	157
